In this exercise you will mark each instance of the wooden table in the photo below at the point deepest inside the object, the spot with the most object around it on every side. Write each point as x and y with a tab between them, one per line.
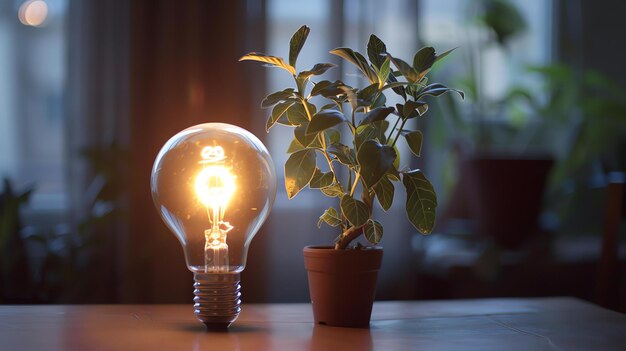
490	324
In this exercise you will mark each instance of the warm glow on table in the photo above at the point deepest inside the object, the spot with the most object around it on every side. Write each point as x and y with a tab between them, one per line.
491	324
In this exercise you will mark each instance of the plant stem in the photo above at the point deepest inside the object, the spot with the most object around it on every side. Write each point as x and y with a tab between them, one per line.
347	237
356	181
394	128
322	141
306	108
368	198
399	131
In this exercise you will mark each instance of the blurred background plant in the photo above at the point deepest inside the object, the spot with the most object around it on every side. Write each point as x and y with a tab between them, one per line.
557	111
69	263
15	274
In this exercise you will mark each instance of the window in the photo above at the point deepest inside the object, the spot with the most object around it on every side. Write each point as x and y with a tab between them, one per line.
32	82
454	23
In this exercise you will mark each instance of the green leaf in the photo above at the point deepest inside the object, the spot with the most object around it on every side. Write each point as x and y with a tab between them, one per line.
284	121
317	143
354	210
331	106
414	139
414	108
373	231
301	83
407	71
334	136
421	201
383	72
344	154
297	115
400	109
320	179
424	59
377	114
319	86
376	50
327	88
396	162
294	146
422	108
270	60
333	190
277	112
412	90
296	43
399	88
351	96
299	170
437	89
439	57
409	110
381	101
323	120
358	60
395	85
274	98
384	192
304	139
374	159
374	130
330	217
367	95
317	70
393	174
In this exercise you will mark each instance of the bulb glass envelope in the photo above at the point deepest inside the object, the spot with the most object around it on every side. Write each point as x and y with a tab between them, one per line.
213	180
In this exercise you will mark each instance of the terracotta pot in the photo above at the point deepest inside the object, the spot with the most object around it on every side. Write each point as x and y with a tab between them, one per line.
342	284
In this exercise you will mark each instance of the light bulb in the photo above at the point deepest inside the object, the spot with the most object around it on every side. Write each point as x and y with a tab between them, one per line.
214	185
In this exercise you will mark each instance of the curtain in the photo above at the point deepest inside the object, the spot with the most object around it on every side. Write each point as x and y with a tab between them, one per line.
183	71
140	72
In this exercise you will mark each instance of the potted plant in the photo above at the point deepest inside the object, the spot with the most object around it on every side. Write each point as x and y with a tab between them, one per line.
355	136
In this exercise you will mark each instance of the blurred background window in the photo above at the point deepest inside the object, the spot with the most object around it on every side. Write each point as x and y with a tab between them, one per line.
457	23
90	90
32	91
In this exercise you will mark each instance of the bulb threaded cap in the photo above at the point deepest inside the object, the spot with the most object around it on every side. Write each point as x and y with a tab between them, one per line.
217	299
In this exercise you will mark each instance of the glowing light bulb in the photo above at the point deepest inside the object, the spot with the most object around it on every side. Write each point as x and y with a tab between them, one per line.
214	185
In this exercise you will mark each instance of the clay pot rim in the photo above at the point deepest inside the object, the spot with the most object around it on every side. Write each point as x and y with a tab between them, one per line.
318	250
332	248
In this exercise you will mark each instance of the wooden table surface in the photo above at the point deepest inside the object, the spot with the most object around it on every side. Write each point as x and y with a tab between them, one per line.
489	324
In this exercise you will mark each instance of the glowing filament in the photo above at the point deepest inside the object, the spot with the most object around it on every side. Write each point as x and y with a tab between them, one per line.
215	186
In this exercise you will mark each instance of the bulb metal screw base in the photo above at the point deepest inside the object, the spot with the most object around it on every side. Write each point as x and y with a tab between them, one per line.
217	299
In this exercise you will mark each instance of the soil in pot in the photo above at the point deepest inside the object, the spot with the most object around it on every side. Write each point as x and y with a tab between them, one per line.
342	284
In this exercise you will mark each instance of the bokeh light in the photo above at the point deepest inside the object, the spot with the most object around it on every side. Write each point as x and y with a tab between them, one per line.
33	13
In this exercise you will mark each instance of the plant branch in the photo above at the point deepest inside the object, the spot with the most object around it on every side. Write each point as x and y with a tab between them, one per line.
399	132
347	237
322	141
394	128
356	181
